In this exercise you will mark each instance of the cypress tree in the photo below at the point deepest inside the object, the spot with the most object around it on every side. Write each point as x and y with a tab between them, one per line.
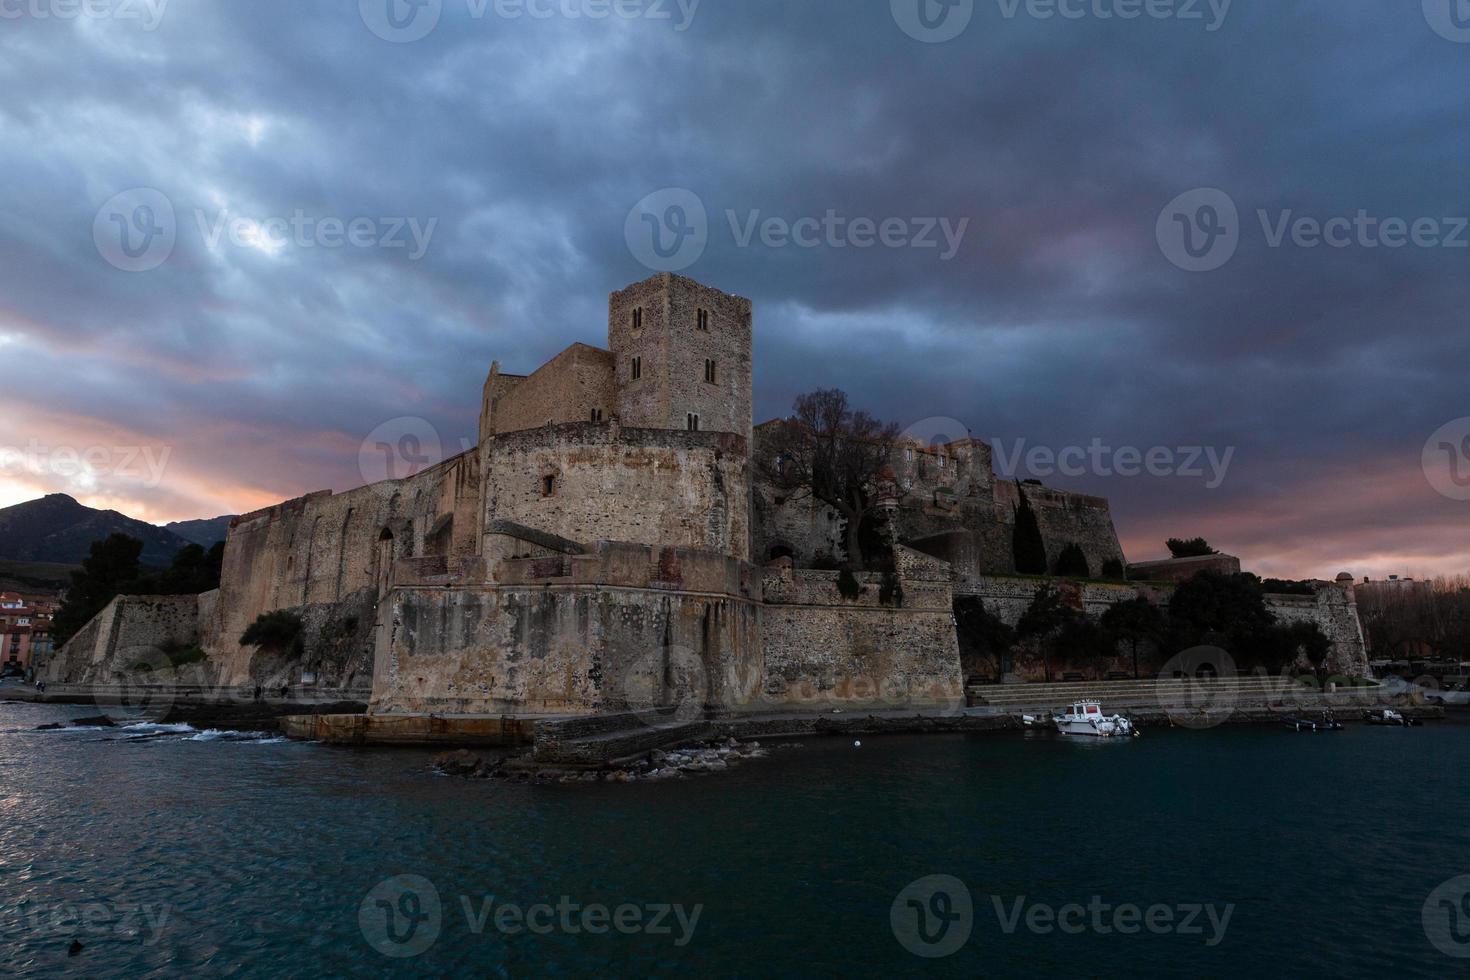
1027	547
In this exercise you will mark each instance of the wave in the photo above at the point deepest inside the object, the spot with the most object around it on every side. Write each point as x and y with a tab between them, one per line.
252	738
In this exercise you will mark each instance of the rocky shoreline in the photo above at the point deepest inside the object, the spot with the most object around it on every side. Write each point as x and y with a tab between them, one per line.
695	760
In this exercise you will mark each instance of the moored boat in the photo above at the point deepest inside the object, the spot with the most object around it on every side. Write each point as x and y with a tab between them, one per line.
1087	718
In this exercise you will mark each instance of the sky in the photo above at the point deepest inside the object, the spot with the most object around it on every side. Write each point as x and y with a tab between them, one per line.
1206	259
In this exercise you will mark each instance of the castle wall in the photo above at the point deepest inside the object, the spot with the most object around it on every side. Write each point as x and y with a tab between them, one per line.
1065	517
655	487
498	385
565	389
626	628
1008	597
129	630
822	650
1335	609
326	555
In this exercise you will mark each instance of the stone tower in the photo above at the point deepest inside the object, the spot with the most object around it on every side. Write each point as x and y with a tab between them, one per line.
682	356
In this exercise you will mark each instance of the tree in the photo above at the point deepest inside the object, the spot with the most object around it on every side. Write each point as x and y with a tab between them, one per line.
983	637
1135	621
1045	619
834	454
1026	544
1192	548
1214	604
110	567
1072	562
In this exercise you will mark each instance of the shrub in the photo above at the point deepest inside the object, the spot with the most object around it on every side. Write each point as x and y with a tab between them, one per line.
890	593
275	632
1072	562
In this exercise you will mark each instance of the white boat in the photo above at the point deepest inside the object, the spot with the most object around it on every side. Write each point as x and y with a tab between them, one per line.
1087	718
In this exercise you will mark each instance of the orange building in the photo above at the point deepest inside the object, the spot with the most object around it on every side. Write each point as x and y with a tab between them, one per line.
25	631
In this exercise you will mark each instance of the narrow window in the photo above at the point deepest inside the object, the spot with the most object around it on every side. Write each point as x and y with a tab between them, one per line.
597	415
908	455
703	319
941	462
709	371
637	368
693	422
548	486
637	318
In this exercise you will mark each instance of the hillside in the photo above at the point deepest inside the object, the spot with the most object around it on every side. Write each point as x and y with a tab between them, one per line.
56	528
207	533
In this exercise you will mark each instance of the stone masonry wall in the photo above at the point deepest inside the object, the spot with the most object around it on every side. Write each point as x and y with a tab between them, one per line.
328	556
683	489
565	389
673	350
129	630
821	650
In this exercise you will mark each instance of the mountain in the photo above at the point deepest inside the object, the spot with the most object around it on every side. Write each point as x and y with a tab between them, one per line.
56	528
207	533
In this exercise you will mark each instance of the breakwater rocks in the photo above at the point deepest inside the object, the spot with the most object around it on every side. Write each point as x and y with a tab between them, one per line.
695	760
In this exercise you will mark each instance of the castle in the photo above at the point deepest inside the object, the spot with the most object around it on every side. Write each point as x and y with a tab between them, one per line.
607	545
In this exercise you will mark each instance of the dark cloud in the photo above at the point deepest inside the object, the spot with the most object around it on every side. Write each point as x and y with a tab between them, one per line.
527	141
